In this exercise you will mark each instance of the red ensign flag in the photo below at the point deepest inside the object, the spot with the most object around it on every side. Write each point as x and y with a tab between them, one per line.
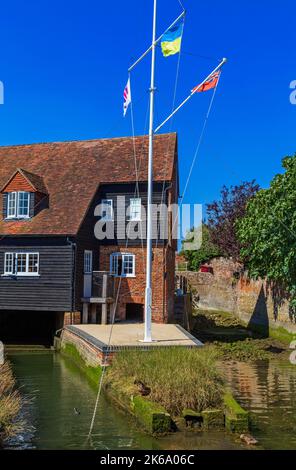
209	84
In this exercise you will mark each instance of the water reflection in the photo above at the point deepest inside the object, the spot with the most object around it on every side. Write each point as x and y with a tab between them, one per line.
56	386
267	389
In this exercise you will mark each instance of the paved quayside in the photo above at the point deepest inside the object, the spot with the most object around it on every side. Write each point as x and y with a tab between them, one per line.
129	335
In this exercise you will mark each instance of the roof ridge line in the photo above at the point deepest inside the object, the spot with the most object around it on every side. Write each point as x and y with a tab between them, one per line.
85	141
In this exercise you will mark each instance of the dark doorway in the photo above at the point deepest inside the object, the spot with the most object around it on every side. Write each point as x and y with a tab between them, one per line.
28	327
134	312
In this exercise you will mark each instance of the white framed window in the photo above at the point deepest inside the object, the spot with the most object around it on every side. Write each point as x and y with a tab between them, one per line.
135	209
107	209
9	263
88	261
21	264
32	263
11	204
18	205
23	204
122	264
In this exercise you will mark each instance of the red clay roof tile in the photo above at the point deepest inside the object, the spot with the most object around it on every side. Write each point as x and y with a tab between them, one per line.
72	172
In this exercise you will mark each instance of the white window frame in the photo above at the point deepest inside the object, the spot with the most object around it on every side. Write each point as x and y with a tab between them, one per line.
14	271
23	216
9	195
132	216
6	255
114	264
16	214
107	203
88	262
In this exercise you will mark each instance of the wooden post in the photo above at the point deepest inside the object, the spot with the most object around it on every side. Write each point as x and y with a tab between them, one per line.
1	353
188	311
85	313
93	313
104	313
104	287
104	295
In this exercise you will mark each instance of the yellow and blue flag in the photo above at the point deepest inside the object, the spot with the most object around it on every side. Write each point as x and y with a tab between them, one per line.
171	40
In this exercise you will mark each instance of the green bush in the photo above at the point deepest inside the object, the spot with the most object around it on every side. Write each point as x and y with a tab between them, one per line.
206	252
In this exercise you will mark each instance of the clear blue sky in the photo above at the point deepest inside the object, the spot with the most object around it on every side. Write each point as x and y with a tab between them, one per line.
64	65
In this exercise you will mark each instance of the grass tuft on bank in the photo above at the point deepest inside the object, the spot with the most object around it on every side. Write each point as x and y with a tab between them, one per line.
10	404
179	378
233	340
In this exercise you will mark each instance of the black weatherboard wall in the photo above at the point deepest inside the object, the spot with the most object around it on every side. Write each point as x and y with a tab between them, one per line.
59	287
53	289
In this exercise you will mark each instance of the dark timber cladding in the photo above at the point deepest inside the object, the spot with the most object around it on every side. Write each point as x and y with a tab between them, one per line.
52	290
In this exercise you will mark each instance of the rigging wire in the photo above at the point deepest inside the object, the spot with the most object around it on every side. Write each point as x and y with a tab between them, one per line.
120	280
118	288
173	107
181	5
197	148
137	190
200	140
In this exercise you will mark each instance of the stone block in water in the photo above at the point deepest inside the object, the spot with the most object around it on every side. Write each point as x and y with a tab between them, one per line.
213	418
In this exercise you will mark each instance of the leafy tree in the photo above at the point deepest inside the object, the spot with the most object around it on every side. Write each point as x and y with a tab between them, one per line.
268	230
223	214
207	251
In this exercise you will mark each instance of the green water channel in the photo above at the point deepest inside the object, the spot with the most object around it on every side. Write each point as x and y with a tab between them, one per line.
54	386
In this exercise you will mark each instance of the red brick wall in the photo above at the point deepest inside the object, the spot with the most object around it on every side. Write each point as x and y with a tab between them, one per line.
91	355
18	183
132	289
72	318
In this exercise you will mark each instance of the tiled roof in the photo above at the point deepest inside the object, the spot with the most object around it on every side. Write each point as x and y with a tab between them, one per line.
72	172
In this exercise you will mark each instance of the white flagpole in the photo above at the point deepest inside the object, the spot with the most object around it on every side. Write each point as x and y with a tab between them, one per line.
190	96
148	291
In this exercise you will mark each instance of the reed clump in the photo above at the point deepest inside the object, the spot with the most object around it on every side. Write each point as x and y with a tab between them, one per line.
179	378
10	404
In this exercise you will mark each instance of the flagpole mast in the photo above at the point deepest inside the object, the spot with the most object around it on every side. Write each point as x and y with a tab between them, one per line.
148	291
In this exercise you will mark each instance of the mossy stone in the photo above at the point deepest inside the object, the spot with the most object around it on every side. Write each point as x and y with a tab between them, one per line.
187	413
237	425
236	418
233	408
213	418
153	416
71	352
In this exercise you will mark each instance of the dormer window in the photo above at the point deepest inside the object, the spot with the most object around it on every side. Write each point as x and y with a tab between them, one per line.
18	205
24	195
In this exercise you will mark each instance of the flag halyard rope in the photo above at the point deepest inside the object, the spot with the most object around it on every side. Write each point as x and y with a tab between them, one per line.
197	149
120	281
172	109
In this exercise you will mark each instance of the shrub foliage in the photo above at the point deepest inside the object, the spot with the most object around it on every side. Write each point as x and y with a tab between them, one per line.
267	232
